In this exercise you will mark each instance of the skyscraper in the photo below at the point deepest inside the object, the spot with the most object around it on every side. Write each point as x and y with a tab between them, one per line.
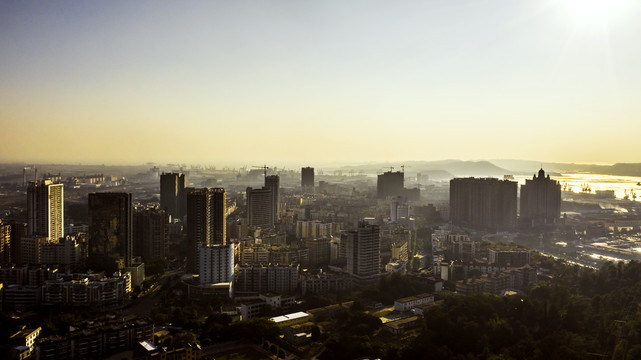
273	182
363	252
45	208
206	221
486	203
151	234
18	231
219	206
110	228
260	207
5	244
307	179
173	196
390	184
540	200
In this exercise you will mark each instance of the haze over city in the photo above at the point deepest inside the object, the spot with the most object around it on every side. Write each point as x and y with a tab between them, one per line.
363	179
226	82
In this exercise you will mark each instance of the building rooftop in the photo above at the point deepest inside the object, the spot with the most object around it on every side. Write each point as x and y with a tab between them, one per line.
401	323
414	298
292	316
147	345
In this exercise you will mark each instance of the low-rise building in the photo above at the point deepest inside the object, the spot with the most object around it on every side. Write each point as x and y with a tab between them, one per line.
298	334
21	296
25	339
328	312
96	340
291	319
251	309
406	304
399	326
325	282
88	290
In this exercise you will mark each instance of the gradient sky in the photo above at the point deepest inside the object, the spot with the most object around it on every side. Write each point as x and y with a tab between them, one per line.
308	81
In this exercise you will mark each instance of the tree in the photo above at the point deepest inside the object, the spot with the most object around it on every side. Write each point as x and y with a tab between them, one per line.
184	338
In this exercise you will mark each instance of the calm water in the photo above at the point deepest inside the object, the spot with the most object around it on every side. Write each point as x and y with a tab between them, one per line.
622	185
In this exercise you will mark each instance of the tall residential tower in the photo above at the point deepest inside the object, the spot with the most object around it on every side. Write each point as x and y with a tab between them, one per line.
206	222
307	179
45	208
540	201
483	203
111	228
173	197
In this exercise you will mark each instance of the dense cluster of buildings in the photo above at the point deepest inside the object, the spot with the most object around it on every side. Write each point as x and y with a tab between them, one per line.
491	204
280	248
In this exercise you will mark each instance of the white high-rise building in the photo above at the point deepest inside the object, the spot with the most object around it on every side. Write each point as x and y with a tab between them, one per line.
45	208
364	251
216	264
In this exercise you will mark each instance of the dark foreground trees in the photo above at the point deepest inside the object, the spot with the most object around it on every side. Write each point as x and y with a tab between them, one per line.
581	314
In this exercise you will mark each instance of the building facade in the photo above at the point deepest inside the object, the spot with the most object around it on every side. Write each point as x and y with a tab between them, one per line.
111	226
173	196
363	251
216	264
390	184
5	244
540	201
45	209
260	207
483	203
307	179
151	234
272	278
273	182
206	222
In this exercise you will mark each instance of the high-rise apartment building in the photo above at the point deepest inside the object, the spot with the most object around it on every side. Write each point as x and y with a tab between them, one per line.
273	182
319	251
111	227
307	179
364	251
216	264
399	209
31	249
151	234
540	200
219	206
260	207
461	248
65	252
206	221
173	196
18	232
483	203
390	184
5	244
45	209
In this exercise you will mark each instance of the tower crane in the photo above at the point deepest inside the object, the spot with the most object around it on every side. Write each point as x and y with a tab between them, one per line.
264	167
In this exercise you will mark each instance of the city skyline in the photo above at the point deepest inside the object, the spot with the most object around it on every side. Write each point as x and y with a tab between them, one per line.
123	83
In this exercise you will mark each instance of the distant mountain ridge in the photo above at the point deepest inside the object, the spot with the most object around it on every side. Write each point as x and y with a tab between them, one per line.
439	170
447	169
527	166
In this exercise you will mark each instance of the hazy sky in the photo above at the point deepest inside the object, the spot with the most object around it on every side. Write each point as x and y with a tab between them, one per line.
268	81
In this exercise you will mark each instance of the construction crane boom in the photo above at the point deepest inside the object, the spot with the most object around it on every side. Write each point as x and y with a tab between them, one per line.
264	167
